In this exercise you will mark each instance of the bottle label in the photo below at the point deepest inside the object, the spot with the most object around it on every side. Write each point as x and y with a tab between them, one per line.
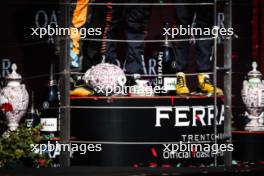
170	83
29	123
48	124
160	69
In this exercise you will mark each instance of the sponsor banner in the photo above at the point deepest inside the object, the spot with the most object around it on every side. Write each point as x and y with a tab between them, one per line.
146	123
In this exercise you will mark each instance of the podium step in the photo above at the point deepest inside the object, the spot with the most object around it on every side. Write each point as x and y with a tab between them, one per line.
129	128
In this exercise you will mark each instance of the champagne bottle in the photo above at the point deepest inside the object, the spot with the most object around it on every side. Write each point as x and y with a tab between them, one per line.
166	64
50	114
32	117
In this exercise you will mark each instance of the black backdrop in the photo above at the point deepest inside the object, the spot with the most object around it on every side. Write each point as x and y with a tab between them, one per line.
33	55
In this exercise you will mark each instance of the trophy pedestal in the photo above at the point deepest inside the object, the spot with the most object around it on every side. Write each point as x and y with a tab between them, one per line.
254	128
255	123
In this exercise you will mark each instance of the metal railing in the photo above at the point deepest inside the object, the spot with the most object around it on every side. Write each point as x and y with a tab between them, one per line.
65	73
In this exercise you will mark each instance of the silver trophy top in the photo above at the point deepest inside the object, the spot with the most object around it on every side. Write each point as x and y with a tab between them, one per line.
14	75
254	73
